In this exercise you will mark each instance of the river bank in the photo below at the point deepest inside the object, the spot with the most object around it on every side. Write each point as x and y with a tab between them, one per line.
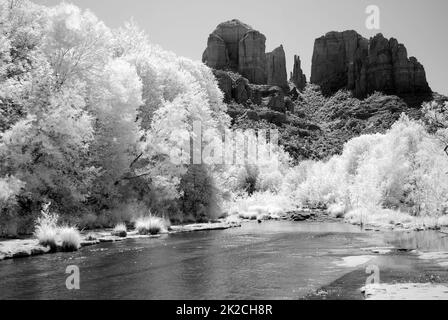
267	260
20	248
414	266
318	252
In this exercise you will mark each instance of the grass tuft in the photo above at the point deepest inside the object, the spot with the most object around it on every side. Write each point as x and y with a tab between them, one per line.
336	210
70	239
46	229
120	230
91	237
46	235
248	215
150	225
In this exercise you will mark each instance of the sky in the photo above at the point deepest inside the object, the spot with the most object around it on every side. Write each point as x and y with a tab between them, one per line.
183	26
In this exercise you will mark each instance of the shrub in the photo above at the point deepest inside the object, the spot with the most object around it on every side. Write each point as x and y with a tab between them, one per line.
260	205
270	181
120	230
46	227
47	217
46	235
89	220
249	215
70	239
233	219
199	194
150	225
442	221
91	237
336	210
377	217
403	169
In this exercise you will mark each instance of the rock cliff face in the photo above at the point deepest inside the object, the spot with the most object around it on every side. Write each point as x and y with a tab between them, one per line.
239	89
297	76
276	68
259	101
390	70
216	55
313	122
254	82
223	45
335	60
235	46
252	58
347	60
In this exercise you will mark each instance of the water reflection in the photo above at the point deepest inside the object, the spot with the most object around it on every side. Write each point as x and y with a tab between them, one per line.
423	241
272	260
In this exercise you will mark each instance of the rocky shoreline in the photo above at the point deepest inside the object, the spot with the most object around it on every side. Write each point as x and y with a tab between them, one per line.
20	248
405	291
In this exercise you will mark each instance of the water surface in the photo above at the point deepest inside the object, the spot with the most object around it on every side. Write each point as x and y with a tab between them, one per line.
271	260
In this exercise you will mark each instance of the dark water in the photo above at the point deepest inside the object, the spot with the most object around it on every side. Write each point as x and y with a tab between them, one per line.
272	260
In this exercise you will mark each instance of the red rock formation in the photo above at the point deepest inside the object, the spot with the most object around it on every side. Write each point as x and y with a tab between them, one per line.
335	56
225	83
276	68
237	88
223	45
235	46
347	60
297	76
252	59
216	56
391	71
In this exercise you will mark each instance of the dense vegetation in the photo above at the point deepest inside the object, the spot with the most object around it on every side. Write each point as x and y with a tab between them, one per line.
90	119
391	176
320	125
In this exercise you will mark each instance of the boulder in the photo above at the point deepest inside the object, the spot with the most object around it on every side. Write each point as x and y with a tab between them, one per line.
252	115
237	88
275	100
119	233
277	118
257	92
271	97
299	216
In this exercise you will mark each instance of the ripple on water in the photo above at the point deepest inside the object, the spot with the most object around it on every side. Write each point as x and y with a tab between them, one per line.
265	261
